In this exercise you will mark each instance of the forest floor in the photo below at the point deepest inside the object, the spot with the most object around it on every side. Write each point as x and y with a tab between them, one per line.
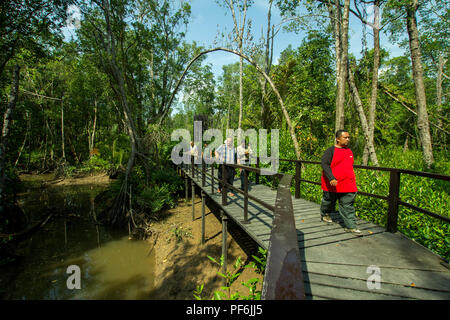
48	179
181	261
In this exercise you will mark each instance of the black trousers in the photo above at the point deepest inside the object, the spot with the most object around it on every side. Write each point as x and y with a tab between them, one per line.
230	172
346	206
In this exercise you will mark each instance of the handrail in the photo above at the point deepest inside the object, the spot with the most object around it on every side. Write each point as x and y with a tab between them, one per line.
283	279
393	197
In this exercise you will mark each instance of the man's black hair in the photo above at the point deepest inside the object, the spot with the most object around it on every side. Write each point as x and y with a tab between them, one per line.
340	132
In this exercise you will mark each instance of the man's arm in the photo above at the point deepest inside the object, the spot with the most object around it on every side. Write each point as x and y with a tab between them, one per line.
218	152
326	163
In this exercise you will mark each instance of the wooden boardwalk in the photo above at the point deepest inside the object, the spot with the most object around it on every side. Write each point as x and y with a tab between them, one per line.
340	265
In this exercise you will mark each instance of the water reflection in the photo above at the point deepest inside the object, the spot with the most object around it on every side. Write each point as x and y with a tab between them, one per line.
112	267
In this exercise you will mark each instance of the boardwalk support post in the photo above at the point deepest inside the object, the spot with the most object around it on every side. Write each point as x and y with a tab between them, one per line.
186	187
193	199
203	217
224	243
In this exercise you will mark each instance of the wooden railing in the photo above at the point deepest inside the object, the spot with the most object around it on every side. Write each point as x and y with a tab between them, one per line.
392	198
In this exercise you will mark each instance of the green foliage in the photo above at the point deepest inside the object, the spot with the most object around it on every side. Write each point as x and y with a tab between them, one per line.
230	277
180	234
258	265
260	260
155	198
97	163
162	191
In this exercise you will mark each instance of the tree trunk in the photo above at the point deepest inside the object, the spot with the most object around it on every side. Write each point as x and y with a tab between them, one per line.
267	66
341	40
92	136
441	64
422	113
374	90
25	140
362	118
241	90
62	131
13	96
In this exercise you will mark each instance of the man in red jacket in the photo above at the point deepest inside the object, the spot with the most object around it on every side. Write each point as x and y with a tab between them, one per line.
339	183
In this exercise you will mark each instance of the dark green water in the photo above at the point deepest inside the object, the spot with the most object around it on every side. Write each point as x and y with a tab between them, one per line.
110	265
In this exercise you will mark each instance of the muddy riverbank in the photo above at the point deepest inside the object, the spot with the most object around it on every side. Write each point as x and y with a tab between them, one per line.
168	265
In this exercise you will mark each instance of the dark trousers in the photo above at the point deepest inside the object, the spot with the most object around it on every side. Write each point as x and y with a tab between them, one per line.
242	179
346	206
230	172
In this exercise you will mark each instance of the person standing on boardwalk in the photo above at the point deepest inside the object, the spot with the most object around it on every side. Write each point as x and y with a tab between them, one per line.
226	153
339	182
193	150
244	154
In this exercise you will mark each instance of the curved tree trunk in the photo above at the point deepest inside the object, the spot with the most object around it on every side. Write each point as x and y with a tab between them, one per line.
269	80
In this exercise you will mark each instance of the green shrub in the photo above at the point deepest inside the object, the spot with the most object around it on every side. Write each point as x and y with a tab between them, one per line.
156	197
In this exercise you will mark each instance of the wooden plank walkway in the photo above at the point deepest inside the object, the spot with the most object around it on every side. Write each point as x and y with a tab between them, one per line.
335	263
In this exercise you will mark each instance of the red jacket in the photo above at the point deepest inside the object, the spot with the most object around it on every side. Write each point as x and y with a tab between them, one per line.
337	163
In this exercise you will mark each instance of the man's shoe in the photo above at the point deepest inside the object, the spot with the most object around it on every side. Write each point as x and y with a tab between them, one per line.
326	218
355	231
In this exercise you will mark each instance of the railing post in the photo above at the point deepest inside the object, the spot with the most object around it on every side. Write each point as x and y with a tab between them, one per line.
212	178
257	174
245	196
298	176
203	173
224	186
393	201
192	166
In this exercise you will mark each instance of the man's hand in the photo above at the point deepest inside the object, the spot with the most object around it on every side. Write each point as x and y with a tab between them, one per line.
333	182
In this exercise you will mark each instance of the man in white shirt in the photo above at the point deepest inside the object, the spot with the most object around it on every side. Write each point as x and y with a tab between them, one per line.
226	153
243	154
193	151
